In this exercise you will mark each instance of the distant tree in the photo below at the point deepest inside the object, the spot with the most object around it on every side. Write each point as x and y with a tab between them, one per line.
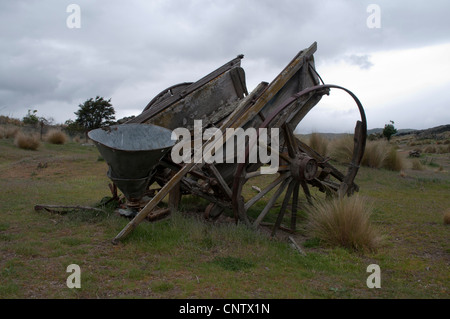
389	130
31	118
95	114
73	128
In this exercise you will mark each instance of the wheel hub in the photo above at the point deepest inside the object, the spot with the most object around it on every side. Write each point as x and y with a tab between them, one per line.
304	167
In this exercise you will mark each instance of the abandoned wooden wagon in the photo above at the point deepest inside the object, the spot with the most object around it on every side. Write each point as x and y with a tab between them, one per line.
139	152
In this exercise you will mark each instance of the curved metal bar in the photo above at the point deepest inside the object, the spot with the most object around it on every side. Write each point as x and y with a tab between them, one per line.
288	102
313	89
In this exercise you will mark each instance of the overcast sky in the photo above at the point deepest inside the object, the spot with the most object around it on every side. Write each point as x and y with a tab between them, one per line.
129	51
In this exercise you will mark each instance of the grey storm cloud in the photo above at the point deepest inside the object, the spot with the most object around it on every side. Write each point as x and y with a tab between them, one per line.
141	47
363	61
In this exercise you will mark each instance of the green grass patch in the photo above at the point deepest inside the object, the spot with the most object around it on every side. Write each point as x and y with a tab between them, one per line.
232	263
185	256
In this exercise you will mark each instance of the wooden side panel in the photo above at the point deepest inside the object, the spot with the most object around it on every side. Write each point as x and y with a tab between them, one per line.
211	103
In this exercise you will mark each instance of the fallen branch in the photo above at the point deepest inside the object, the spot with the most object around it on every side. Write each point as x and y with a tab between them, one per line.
53	208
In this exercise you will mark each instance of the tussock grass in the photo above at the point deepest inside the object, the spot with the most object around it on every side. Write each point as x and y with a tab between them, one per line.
56	137
8	131
375	154
318	143
343	222
341	149
430	149
417	165
393	161
27	141
447	218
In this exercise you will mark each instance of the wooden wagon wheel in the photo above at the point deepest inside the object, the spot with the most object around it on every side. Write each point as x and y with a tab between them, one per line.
301	170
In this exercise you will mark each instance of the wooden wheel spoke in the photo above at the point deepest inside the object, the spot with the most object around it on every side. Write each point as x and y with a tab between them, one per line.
281	169
267	189
294	206
271	202
283	207
306	191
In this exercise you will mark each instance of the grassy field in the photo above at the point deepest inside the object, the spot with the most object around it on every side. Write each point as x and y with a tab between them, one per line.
186	257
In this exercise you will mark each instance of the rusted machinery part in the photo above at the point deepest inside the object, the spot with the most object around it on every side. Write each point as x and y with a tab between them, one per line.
299	168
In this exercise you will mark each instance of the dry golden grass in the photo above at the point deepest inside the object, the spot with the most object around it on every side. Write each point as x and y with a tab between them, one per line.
417	165
343	222
27	141
447	218
430	149
8	131
318	143
393	160
341	149
375	154
56	137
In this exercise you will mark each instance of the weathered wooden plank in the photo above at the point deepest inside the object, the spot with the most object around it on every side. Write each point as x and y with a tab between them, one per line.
159	107
213	102
166	93
238	77
358	151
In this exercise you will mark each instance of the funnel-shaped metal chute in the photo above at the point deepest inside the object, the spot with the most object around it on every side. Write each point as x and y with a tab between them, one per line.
132	151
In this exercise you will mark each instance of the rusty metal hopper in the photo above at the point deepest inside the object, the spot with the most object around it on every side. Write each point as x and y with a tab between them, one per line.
132	151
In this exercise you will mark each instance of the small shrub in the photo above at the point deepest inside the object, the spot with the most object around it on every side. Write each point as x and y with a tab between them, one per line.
318	143
9	120
56	137
27	142
430	149
393	160
343	222
374	154
447	218
417	165
8	131
380	154
442	150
